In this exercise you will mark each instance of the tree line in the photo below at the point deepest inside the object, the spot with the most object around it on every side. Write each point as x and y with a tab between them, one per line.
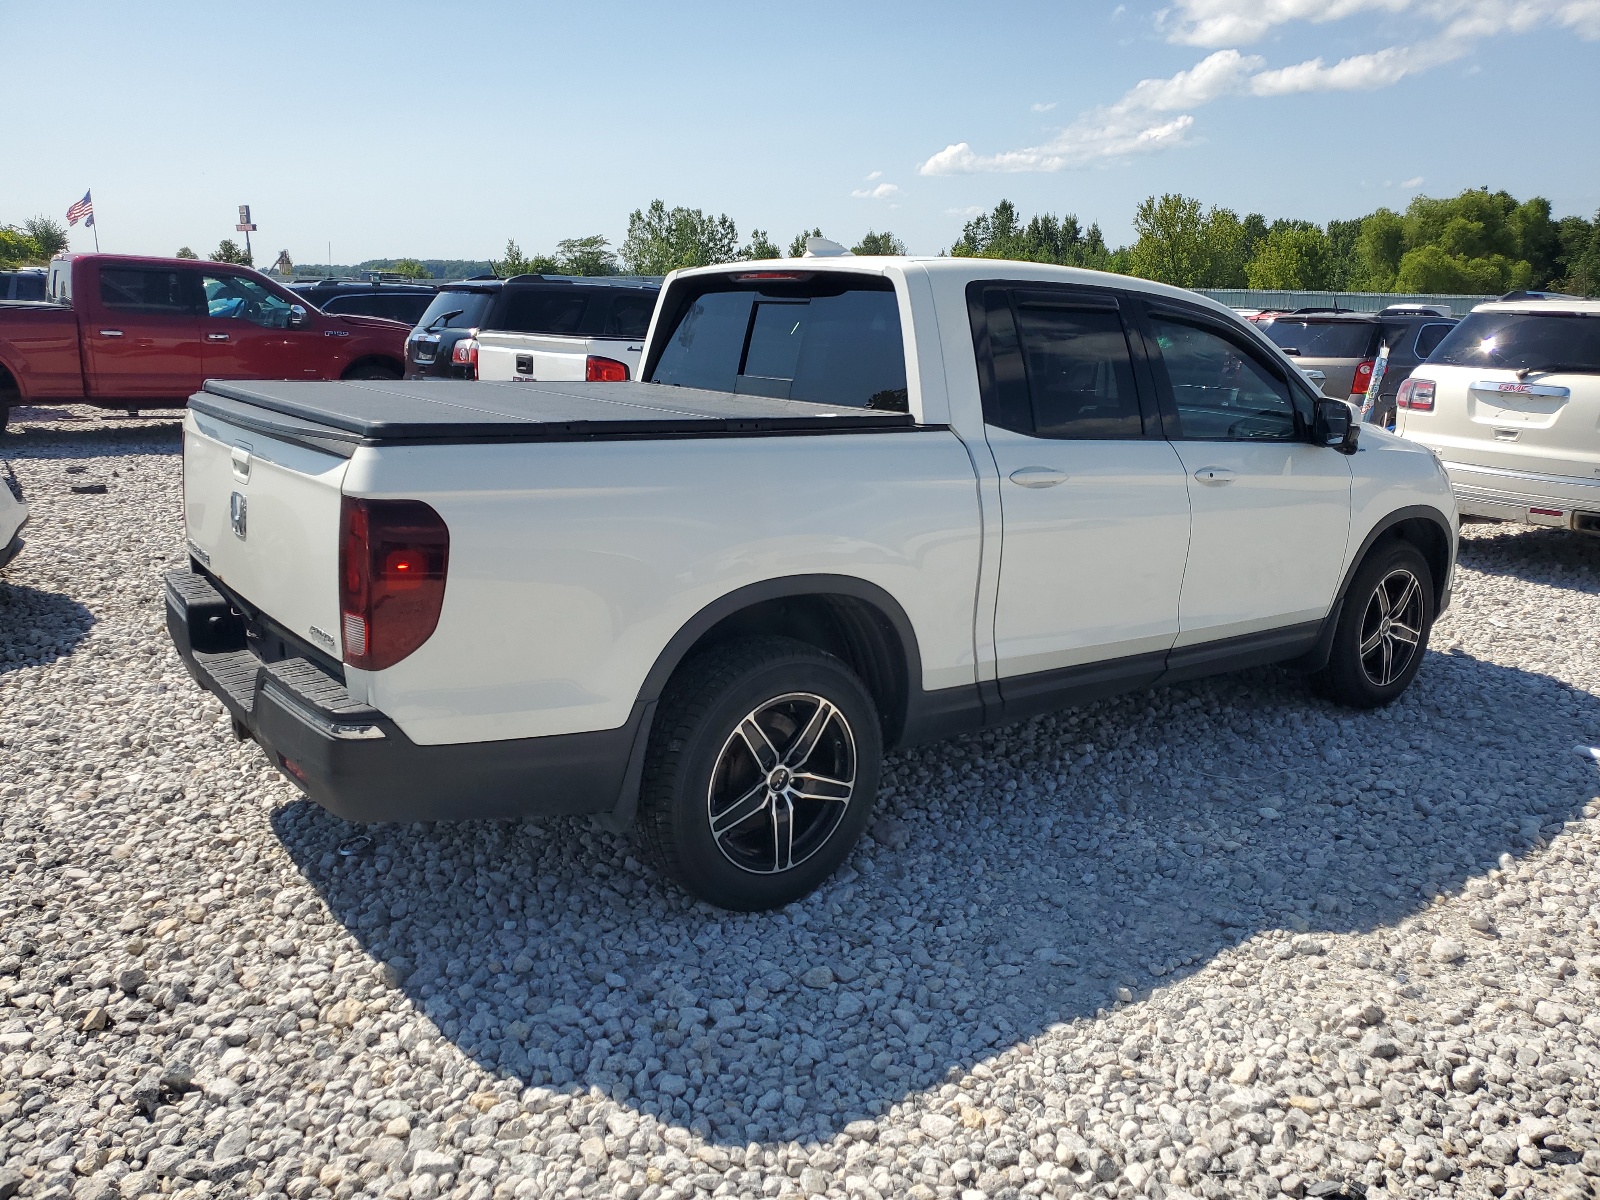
1478	243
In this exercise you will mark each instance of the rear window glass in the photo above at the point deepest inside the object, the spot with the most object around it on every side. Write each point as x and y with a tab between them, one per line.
403	307
1523	341
538	311
457	310
630	315
820	339
1321	339
28	285
1429	337
151	291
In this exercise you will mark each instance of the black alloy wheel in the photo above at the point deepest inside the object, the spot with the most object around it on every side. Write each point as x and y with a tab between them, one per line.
1383	628
761	772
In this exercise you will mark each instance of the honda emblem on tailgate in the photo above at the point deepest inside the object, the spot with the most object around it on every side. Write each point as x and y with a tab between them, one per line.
236	514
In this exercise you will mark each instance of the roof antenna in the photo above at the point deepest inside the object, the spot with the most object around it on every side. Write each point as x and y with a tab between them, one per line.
821	247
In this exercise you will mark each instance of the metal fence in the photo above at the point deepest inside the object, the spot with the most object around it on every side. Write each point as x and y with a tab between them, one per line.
1359	301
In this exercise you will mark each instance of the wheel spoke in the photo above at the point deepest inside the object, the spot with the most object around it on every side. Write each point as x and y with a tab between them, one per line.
1387	672
1411	588
806	742
1404	633
1382	597
821	787
751	804
1371	644
782	833
761	747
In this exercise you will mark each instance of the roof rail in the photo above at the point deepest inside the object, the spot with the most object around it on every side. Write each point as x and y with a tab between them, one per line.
1295	312
1421	310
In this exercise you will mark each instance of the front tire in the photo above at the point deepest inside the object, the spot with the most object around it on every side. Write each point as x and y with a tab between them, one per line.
761	772
373	370
1383	629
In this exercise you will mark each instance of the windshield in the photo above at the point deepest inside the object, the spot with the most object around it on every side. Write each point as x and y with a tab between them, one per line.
825	340
1321	339
1523	341
470	308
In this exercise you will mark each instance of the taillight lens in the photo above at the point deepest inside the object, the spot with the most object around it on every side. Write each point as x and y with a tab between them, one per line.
604	370
1416	394
465	354
1363	379
393	555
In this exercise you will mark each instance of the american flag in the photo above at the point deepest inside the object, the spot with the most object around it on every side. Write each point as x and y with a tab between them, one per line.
82	209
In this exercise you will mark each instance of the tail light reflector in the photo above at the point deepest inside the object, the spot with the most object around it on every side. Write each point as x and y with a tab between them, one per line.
1416	394
604	370
1363	379
393	555
465	354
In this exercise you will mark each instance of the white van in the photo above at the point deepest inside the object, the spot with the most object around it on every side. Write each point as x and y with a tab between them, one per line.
1510	402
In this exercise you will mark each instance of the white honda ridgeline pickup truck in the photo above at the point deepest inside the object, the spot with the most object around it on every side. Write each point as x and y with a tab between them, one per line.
849	504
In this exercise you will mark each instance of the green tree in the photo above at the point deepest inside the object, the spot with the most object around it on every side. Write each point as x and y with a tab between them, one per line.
1580	255
1293	259
1172	246
760	246
1045	238
230	252
515	264
879	243
661	240
1432	268
590	255
1225	239
1379	247
797	247
17	249
409	267
1342	261
185	252
48	235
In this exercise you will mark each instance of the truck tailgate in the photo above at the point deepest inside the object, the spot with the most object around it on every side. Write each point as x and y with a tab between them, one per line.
263	516
532	357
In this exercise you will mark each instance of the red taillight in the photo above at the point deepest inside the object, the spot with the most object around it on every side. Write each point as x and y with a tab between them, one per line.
604	370
1358	385
1416	394
393	555
465	354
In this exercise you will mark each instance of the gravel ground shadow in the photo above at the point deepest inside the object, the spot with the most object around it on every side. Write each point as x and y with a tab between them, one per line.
99	440
1555	557
1015	879
38	627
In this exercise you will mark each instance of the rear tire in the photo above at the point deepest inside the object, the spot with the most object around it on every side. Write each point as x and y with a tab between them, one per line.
761	772
1383	629
373	371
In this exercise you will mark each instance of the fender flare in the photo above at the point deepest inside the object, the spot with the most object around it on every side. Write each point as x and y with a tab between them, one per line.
1317	657
672	655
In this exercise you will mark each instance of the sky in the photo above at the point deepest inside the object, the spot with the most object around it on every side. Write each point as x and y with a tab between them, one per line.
440	131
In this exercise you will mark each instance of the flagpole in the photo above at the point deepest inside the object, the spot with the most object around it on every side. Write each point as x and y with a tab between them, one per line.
96	227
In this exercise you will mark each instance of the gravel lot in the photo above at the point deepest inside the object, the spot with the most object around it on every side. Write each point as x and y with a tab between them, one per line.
1219	939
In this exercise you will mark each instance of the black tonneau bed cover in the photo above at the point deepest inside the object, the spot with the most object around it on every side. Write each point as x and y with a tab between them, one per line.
339	416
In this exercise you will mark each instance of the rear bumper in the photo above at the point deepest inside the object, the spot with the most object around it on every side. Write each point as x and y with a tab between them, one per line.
355	762
1506	495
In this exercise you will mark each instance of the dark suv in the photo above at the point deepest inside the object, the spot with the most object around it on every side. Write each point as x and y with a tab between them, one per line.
572	305
376	298
1344	346
26	284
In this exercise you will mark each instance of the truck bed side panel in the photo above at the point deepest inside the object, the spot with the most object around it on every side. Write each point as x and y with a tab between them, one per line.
573	565
39	346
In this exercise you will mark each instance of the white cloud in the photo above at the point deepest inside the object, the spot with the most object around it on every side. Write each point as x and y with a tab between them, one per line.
882	192
971	210
1414	182
1235	22
1141	121
874	175
1044	108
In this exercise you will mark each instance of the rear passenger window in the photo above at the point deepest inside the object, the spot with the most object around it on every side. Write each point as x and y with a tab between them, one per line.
1080	374
536	311
1222	392
629	316
135	290
1428	339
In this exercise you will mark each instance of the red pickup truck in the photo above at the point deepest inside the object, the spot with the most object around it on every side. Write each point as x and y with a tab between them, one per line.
121	331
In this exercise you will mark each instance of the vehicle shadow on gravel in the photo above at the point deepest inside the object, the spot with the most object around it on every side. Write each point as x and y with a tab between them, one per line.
90	441
1013	880
1554	557
38	627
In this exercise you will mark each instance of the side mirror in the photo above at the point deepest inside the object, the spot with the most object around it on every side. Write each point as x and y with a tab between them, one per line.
298	316
1335	425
